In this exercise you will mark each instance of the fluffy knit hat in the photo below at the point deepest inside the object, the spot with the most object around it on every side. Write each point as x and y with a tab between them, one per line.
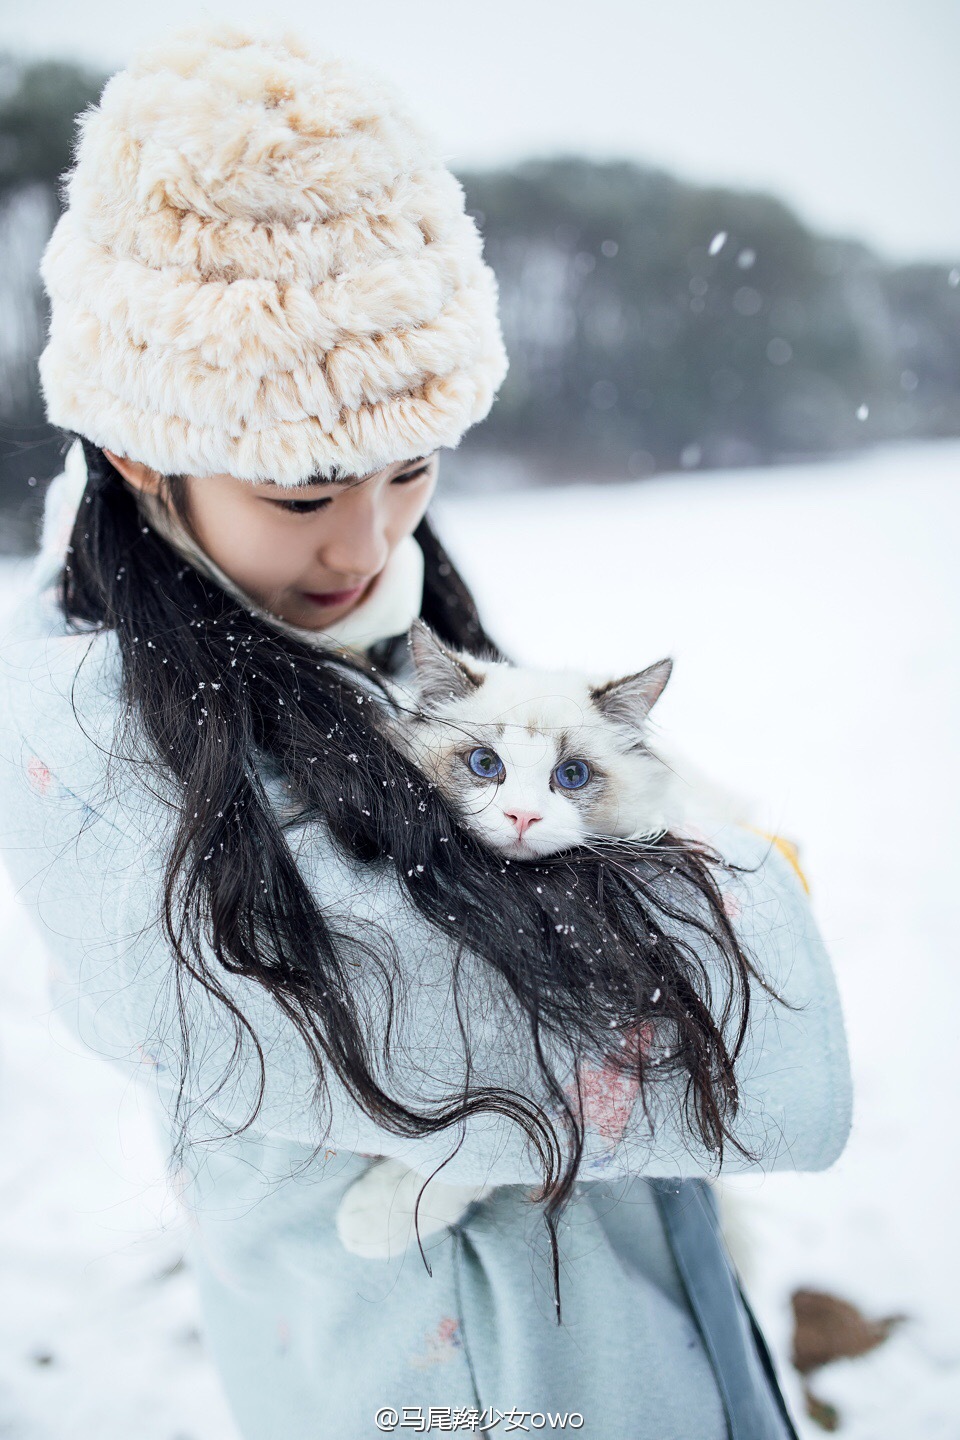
265	269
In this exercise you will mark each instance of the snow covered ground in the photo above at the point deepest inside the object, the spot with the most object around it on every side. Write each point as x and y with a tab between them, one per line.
812	614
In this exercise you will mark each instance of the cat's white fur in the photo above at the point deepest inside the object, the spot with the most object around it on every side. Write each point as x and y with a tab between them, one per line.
375	1216
533	720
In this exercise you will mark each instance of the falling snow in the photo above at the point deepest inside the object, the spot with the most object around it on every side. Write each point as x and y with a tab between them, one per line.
88	1223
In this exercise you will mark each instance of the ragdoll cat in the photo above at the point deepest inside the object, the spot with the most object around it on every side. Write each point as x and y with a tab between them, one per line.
534	762
538	761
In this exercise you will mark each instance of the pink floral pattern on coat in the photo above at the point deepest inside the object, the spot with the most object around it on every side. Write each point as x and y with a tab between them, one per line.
609	1094
731	905
38	775
441	1344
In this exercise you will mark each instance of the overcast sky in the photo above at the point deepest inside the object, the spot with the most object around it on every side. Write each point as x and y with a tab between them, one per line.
847	109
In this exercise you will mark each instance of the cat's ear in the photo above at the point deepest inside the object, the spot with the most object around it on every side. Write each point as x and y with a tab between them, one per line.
630	699
441	674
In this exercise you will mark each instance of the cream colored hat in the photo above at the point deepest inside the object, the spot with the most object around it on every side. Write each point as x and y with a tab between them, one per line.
265	270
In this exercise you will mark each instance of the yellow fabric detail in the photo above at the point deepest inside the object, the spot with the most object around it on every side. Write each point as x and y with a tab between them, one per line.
786	848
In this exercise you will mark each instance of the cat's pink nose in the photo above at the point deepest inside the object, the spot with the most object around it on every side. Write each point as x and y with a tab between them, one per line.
523	819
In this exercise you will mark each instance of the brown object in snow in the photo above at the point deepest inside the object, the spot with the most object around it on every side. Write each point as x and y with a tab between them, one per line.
827	1328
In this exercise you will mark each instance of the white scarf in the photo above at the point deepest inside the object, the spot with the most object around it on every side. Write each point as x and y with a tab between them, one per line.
389	609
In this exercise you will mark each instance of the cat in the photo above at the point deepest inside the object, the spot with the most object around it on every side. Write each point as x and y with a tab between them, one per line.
534	762
538	761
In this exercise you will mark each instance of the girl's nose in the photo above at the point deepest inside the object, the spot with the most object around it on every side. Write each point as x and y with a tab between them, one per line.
354	543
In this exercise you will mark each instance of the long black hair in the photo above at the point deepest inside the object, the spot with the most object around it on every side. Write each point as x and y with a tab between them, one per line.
593	944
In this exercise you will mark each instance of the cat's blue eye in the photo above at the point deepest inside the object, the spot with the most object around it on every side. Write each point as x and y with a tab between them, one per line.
485	763
572	774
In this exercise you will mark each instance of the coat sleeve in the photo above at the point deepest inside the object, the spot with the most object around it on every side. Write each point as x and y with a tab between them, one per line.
88	861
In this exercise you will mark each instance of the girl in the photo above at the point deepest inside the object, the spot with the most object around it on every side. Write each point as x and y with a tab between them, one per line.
269	312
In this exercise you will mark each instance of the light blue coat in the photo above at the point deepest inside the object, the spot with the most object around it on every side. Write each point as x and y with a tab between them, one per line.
310	1340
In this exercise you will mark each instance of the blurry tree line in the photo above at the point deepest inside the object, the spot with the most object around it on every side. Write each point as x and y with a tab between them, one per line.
654	324
651	324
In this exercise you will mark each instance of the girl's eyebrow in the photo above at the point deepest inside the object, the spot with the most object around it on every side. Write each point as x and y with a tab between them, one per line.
346	482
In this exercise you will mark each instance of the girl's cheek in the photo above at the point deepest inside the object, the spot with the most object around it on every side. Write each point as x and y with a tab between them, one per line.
260	560
411	510
286	564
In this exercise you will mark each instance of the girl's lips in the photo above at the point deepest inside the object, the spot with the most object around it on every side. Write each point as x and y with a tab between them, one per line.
337	597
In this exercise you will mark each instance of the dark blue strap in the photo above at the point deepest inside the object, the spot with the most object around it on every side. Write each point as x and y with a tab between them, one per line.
754	1404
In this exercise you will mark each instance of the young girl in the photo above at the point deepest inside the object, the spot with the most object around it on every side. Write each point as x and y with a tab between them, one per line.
269	312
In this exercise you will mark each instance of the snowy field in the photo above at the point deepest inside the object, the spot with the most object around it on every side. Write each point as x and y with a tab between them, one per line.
812	615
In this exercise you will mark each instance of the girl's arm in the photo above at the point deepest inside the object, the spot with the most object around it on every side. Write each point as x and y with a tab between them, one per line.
793	1072
86	851
94	897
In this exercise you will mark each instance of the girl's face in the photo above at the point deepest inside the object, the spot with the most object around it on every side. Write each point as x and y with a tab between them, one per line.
308	556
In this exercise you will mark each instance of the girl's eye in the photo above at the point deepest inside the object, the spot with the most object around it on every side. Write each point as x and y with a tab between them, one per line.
302	507
485	763
309	507
413	475
572	774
